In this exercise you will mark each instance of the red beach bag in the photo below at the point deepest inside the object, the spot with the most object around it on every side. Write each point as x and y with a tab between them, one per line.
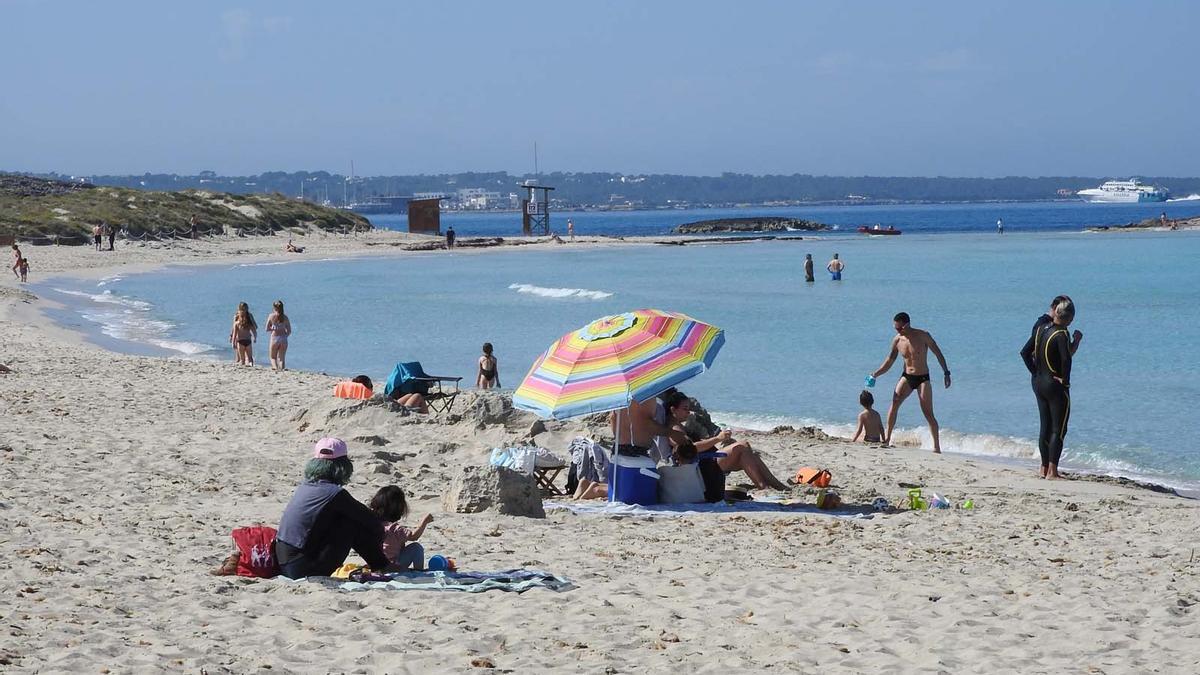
256	546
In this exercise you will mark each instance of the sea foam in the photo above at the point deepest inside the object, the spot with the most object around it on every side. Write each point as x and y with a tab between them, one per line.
559	293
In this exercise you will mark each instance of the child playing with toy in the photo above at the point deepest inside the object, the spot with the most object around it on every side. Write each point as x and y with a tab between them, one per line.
870	425
399	543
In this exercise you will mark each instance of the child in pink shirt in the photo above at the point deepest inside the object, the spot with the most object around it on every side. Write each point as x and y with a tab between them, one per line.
399	543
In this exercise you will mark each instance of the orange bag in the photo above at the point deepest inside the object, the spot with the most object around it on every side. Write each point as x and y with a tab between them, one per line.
351	390
807	475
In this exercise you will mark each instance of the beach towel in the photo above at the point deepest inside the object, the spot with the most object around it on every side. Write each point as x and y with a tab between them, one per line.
525	458
600	508
590	459
517	580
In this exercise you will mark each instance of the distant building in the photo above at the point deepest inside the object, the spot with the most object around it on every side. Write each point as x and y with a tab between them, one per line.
478	199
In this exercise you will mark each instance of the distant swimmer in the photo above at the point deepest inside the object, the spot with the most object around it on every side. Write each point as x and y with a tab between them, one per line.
835	268
1048	354
999	226
808	268
914	346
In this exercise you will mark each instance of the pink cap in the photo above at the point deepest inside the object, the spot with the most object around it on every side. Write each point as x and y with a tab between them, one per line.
329	448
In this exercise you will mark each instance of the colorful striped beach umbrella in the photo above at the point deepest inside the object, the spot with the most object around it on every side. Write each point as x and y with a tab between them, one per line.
616	360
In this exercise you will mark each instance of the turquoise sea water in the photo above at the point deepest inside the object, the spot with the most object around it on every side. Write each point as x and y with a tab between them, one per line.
794	353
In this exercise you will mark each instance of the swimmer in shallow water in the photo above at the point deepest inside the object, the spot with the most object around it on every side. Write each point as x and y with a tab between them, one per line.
835	268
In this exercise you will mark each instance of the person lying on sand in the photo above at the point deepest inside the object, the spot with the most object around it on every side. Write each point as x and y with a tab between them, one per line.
739	456
292	248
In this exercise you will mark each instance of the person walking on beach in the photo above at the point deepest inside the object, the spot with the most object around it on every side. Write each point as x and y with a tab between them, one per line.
914	346
571	229
193	229
243	334
112	234
835	268
1047	355
450	237
808	268
489	369
24	269
97	235
999	226
280	327
17	258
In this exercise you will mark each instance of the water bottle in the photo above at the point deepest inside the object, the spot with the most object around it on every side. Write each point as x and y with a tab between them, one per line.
869	381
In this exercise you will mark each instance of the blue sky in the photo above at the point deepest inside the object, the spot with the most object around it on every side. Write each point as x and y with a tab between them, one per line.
838	88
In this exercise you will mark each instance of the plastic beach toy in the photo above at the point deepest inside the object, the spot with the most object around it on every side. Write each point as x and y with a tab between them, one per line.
869	381
968	504
880	504
916	501
438	563
936	501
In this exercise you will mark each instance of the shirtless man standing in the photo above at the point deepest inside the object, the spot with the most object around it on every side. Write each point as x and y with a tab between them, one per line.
636	428
914	345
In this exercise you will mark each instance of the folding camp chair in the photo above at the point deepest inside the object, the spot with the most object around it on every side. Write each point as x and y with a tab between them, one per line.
545	475
411	378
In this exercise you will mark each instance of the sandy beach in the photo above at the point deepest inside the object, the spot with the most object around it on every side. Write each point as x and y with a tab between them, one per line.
124	475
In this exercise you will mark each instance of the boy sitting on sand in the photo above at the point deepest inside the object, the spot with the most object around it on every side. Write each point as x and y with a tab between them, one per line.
870	425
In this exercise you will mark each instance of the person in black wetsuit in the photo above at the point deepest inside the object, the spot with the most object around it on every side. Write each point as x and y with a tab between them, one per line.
323	522
1047	355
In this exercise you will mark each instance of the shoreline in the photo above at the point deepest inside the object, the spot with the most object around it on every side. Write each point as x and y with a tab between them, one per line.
257	250
129	472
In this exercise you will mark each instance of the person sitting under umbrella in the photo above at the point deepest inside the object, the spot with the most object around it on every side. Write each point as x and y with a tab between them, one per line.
739	456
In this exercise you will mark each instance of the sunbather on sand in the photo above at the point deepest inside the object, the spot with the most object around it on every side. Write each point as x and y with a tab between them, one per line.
739	456
413	402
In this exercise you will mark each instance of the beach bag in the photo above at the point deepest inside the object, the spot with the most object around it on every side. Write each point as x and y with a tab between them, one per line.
680	484
351	390
256	548
807	475
714	479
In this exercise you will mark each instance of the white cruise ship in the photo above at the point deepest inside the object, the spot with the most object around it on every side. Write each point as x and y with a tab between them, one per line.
1124	192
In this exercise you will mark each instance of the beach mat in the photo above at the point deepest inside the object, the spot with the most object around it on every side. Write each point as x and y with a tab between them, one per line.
516	580
602	508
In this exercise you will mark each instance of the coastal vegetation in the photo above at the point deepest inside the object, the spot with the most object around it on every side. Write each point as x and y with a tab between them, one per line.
765	224
33	208
619	190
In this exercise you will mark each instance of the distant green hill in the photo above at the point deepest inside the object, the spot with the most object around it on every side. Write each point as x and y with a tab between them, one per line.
36	207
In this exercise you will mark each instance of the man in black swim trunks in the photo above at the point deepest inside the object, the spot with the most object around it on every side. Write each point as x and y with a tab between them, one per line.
914	345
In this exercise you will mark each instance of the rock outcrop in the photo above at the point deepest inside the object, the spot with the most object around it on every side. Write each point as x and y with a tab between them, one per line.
764	224
483	488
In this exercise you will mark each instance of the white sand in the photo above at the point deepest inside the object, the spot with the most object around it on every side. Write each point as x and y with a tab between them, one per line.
122	477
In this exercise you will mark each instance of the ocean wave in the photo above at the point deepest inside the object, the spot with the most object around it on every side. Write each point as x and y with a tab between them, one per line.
558	293
127	319
1088	460
1190	198
107	297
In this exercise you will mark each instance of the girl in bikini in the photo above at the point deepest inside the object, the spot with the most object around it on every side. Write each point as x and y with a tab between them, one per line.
489	371
243	334
280	327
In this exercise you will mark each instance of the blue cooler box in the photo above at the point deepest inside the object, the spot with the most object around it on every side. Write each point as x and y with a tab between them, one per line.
633	480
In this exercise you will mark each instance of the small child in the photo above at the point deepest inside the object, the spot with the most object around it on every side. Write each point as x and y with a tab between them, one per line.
870	426
24	268
684	453
399	543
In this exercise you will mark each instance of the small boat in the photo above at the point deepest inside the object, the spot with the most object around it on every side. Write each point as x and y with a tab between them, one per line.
878	230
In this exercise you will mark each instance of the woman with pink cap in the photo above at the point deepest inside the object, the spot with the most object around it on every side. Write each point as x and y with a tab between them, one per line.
323	522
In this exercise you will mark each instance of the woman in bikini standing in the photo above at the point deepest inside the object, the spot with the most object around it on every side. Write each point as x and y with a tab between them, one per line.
280	327
489	370
243	334
17	258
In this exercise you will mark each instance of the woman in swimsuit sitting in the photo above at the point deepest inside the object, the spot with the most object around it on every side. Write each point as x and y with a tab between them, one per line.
243	334
738	454
280	327
489	371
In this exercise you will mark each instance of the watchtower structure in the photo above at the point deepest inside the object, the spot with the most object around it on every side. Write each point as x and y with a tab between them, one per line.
535	208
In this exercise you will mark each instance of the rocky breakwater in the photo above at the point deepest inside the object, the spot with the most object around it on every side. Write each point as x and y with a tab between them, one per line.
760	224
